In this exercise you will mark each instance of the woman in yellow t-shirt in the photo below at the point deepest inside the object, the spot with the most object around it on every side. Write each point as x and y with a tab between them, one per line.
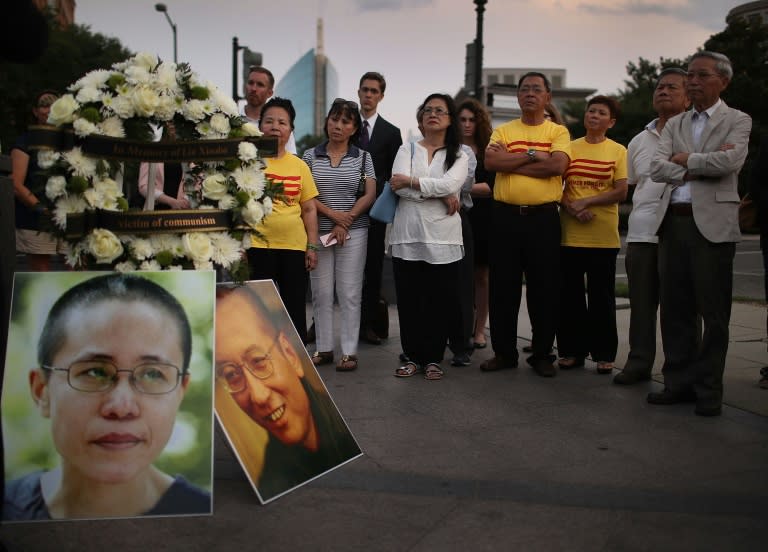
595	183
284	247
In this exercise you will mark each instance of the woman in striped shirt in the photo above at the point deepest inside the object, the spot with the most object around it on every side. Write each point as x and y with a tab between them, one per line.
346	184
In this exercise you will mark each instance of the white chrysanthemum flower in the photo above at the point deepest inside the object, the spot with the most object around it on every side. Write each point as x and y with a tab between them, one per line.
141	248
73	253
226	249
67	205
93	79
84	127
220	123
209	106
167	242
145	101
123	107
144	59
203	265
46	158
205	131
176	267
80	164
125	266
227	202
166	108
249	129
226	104
104	194
193	111
250	180
252	213
247	151
88	94
56	186
165	78
138	75
113	127
150	266
267	204
63	110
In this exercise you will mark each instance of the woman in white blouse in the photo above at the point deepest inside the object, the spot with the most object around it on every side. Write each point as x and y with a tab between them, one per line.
425	239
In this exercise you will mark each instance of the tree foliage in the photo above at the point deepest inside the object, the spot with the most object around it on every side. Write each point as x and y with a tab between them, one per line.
308	141
71	52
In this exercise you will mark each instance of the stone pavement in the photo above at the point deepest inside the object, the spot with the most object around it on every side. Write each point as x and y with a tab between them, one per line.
497	461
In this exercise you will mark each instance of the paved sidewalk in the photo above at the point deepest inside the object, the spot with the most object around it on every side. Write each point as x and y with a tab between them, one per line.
497	461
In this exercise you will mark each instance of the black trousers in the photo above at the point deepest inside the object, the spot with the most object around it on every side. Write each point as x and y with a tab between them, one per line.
588	322
374	265
426	303
696	277
286	268
524	245
460	338
641	263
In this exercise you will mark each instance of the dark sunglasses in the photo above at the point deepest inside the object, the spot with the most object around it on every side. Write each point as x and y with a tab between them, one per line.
342	101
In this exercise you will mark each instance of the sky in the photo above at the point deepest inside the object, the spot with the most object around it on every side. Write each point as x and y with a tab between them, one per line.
418	45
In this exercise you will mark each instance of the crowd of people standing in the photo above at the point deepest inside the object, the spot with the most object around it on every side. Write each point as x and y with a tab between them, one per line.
482	211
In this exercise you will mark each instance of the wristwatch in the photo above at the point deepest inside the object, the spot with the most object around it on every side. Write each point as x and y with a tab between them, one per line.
531	154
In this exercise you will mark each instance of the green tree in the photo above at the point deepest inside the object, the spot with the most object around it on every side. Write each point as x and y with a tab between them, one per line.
71	53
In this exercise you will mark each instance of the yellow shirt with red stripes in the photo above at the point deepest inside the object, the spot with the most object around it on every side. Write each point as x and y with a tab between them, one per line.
594	168
284	227
519	138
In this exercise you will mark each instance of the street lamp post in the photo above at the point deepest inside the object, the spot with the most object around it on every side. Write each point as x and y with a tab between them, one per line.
480	7
164	9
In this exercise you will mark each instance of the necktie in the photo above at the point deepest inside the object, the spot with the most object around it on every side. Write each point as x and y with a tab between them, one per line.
364	138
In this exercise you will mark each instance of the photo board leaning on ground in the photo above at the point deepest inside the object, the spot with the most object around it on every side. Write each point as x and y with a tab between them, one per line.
271	403
107	405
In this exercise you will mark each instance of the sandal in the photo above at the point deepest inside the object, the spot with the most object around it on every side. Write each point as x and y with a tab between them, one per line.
347	363
605	367
322	357
433	372
566	363
407	370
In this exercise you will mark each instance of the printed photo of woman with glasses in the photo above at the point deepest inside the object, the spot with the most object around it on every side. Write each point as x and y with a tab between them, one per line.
115	361
270	401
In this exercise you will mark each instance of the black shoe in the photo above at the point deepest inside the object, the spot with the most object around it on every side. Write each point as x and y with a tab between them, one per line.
671	397
707	410
311	334
528	349
497	363
369	336
627	377
461	360
543	367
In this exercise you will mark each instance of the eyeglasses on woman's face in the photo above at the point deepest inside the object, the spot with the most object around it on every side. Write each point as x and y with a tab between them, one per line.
436	111
94	376
255	360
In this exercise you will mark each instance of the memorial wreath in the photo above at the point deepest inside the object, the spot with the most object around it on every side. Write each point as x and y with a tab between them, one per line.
113	115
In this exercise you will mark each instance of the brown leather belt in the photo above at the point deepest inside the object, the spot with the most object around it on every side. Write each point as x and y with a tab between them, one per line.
680	209
523	210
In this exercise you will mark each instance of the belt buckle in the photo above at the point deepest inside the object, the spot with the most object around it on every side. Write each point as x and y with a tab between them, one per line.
524	209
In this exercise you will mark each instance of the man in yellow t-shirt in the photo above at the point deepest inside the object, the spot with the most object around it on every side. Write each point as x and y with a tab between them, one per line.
529	156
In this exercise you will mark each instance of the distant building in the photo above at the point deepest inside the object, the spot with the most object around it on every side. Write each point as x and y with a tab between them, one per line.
64	10
311	84
751	11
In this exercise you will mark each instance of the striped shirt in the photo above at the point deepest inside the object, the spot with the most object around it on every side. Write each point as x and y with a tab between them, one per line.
337	186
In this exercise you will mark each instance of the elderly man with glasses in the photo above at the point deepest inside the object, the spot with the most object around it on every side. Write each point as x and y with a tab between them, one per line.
263	371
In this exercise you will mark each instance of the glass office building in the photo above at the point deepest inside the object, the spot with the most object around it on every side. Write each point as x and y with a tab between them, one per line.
311	84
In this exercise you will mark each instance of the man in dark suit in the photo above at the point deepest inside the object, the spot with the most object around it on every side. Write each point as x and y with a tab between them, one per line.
381	139
699	156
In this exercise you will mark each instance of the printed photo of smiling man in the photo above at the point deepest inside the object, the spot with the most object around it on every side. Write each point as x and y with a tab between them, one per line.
275	411
107	395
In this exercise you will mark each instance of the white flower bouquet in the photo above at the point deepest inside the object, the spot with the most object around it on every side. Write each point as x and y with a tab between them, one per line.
129	101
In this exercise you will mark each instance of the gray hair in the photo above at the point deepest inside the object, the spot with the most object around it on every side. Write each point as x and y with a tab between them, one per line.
722	63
